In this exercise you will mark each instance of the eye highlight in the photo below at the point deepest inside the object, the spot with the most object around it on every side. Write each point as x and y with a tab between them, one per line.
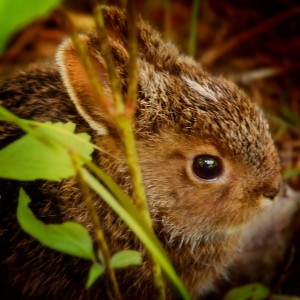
207	167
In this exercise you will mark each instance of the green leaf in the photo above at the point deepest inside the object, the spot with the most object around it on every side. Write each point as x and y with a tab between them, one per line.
254	291
69	237
95	272
122	259
126	258
15	14
45	154
63	134
115	198
127	211
30	159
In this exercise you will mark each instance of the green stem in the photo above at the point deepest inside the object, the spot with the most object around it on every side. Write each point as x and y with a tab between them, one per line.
193	30
99	234
133	55
158	279
86	63
107	54
167	19
122	117
128	139
131	216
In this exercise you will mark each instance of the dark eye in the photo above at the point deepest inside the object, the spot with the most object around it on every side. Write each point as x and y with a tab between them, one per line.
207	167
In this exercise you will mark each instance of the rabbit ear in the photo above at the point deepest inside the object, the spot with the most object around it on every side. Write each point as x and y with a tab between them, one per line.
115	24
78	84
150	44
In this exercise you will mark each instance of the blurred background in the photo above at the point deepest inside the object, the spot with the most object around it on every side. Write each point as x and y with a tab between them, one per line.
255	43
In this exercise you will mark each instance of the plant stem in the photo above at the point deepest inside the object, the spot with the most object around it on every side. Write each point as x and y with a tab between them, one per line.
122	116
99	234
167	19
123	3
127	136
158	280
86	63
193	30
133	55
128	139
107	54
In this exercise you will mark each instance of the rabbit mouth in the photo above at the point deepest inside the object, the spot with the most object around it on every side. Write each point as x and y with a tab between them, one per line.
207	231
181	238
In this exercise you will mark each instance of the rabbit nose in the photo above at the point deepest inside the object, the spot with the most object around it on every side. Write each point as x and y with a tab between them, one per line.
272	193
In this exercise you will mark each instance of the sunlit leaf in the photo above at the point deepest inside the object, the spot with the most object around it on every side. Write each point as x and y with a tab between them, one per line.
69	237
31	158
126	258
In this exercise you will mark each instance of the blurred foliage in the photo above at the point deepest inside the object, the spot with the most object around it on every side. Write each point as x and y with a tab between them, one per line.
19	13
254	291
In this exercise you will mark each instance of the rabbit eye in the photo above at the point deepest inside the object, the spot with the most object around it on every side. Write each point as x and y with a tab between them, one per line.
207	167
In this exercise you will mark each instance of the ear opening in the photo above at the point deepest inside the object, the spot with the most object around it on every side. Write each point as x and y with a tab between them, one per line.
78	84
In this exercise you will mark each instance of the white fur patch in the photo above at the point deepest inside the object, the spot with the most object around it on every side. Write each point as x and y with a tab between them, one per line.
152	82
203	90
266	202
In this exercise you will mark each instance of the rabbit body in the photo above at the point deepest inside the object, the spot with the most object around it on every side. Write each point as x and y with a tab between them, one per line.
182	113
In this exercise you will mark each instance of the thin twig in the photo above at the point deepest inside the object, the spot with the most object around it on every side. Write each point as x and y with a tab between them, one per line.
122	117
123	3
264	73
123	121
167	19
129	140
132	64
158	280
215	53
147	8
110	65
99	235
86	63
193	30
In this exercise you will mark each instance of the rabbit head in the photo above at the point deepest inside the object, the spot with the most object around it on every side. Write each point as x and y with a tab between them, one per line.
208	161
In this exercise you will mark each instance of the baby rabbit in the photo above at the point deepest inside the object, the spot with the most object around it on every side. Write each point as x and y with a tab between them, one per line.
208	161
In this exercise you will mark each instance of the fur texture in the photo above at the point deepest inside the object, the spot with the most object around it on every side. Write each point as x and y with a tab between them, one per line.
182	112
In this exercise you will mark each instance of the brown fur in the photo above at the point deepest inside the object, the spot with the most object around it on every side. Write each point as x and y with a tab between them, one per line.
182	112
